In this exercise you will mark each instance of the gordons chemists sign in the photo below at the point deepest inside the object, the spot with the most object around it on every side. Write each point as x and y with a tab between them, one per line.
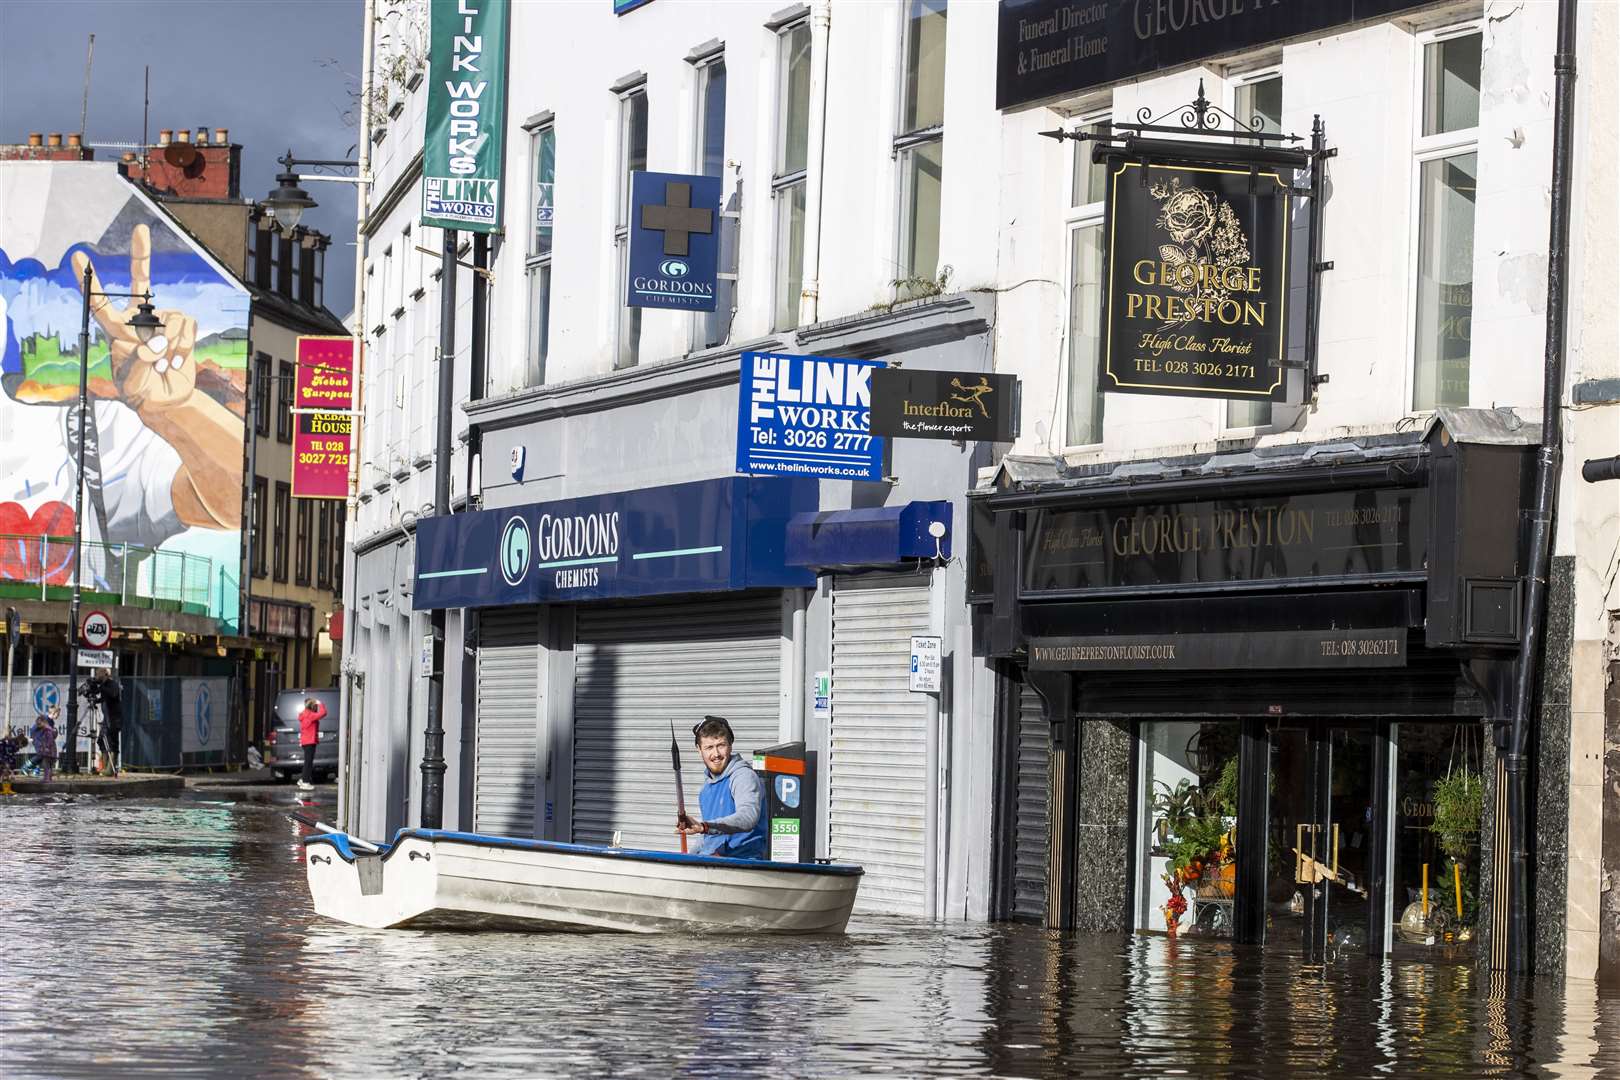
1195	301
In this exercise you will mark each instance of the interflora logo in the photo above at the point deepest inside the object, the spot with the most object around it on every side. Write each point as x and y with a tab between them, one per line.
517	549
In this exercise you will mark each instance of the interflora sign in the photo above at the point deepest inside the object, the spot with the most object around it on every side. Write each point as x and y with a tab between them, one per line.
674	241
1196	296
1369	532
1050	47
807	416
325	380
915	404
466	115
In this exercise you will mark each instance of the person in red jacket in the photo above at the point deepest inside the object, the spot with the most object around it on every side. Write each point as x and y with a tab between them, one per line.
309	734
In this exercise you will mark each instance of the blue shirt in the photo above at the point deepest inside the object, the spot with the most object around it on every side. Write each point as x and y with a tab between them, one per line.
733	805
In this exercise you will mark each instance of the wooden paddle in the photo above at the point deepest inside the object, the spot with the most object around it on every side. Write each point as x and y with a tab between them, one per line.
680	789
321	826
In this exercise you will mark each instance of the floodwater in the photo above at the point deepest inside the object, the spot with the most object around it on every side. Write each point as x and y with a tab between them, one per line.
176	938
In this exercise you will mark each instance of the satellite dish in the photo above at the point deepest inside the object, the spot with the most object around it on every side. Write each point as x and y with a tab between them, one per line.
180	155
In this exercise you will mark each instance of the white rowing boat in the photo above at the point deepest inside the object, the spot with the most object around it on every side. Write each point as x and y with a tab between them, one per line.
432	879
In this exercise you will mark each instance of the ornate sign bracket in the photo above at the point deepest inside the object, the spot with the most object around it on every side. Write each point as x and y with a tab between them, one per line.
1250	145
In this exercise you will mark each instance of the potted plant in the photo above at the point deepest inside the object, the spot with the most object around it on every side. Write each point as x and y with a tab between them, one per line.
1457	798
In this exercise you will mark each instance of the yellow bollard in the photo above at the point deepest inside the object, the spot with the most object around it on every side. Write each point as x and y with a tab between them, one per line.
5	788
1425	892
1456	876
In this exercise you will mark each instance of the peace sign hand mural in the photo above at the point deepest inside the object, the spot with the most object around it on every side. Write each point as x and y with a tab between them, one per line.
156	374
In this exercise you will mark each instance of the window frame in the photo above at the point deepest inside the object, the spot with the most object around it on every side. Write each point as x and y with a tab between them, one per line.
537	262
627	319
1077	217
261	394
785	184
702	75
1426	149
259	523
323	545
279	538
301	542
286	372
1234	87
905	144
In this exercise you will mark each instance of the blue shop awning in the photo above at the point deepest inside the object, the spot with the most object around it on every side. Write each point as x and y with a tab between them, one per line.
880	536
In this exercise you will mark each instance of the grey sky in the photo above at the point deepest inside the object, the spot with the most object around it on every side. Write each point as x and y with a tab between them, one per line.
278	73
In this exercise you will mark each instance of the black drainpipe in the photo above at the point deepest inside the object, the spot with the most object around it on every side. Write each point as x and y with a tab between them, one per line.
1514	953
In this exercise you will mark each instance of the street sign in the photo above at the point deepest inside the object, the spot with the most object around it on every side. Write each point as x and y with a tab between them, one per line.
927	664
94	658
674	241
97	630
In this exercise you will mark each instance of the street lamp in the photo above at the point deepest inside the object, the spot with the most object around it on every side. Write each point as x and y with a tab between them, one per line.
145	323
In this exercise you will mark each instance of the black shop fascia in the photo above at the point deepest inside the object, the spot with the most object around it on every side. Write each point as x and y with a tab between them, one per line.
1374	577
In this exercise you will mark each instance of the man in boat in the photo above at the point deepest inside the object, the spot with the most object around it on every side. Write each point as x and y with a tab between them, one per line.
733	798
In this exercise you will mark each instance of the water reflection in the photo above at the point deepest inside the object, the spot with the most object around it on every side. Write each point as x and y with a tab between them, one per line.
176	938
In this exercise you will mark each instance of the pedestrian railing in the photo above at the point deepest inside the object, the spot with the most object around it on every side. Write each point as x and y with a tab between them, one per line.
34	567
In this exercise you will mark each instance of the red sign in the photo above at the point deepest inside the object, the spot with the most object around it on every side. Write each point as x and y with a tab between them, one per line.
97	630
321	440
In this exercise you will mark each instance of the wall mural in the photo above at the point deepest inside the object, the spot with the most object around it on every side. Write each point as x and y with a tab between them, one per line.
164	438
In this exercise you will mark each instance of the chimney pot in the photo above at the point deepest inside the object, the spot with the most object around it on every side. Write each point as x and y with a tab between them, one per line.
183	135
202	136
129	155
222	137
54	139
75	140
36	138
164	136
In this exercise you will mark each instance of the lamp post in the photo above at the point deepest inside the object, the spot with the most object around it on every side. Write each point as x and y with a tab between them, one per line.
145	323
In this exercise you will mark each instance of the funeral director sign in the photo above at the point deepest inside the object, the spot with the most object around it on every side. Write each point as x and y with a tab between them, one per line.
1195	301
466	116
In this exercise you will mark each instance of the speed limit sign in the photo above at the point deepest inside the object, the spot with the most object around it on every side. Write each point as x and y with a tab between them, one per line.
97	630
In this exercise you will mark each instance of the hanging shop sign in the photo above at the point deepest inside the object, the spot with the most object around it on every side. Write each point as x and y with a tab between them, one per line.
1234	652
674	241
914	404
1361	533
1049	47
705	536
807	416
325	381
465	145
1195	301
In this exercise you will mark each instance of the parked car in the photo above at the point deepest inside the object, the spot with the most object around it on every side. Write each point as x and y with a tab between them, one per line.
283	754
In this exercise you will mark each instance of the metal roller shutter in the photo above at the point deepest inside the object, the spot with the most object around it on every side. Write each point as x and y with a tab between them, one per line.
876	775
507	731
1031	827
637	667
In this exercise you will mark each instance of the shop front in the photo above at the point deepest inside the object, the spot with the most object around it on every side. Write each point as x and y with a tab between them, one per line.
1253	696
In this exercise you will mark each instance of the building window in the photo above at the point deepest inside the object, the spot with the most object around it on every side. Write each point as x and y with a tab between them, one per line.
1447	166
1087	187
323	546
278	532
632	159
261	394
713	327
919	147
792	162
286	373
317	288
339	524
264	240
1258	100
543	155
407	259
261	507
284	265
301	539
306	277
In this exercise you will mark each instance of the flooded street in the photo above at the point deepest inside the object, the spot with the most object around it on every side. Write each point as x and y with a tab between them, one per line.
176	938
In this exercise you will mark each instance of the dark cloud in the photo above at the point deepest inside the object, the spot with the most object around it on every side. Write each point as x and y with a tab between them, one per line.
278	73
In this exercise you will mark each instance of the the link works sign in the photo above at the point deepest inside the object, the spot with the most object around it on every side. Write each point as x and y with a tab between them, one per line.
466	116
1196	297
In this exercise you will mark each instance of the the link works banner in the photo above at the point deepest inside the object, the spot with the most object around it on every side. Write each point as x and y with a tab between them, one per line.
321	440
466	116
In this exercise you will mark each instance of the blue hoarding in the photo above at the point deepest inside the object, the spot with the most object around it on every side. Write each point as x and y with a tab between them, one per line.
674	241
807	416
706	536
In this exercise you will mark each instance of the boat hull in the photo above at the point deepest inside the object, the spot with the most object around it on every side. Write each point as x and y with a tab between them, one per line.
429	879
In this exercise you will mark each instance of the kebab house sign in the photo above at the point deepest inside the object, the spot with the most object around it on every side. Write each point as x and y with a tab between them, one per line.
321	439
1195	301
